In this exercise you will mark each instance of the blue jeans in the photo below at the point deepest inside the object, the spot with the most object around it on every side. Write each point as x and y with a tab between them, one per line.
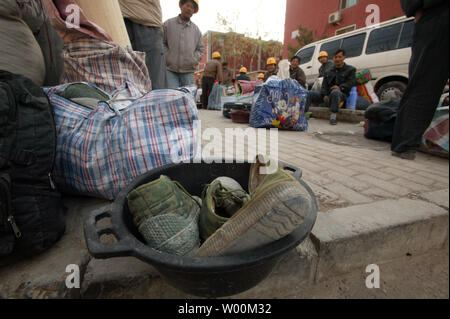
176	80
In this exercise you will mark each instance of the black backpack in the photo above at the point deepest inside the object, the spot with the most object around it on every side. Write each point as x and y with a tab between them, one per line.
31	211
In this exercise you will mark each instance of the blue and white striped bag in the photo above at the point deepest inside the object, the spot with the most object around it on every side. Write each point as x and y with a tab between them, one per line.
101	151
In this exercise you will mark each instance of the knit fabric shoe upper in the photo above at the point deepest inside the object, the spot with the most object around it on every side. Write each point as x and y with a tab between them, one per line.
166	216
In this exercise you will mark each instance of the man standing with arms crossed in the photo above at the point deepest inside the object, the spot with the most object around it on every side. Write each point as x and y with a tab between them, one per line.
183	45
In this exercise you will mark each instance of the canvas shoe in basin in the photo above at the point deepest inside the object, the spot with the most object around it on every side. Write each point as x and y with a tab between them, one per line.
221	200
166	215
279	204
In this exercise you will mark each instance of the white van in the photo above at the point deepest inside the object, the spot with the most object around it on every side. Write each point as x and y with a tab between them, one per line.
384	49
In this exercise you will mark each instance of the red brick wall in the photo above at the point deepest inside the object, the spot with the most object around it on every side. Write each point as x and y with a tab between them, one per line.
314	15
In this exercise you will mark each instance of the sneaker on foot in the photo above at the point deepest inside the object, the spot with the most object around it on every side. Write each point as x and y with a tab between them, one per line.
279	204
221	200
166	215
333	119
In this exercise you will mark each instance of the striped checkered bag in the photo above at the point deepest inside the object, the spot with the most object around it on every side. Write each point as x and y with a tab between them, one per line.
105	64
100	151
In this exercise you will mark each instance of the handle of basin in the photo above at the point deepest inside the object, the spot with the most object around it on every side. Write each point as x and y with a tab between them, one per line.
297	172
92	233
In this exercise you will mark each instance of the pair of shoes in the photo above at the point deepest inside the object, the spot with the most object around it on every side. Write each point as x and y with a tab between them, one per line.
166	216
279	204
408	155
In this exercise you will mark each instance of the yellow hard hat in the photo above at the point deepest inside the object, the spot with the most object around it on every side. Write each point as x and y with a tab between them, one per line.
261	76
195	2
243	70
271	61
196	9
323	54
216	55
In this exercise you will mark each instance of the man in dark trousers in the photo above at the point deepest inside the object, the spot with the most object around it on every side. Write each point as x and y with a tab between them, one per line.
213	72
337	84
428	73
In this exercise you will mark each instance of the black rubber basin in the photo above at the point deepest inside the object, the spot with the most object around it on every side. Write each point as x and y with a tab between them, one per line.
209	277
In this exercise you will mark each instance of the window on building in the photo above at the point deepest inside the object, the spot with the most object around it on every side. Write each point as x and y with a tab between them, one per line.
406	38
354	45
331	47
295	34
346	29
347	4
384	39
306	55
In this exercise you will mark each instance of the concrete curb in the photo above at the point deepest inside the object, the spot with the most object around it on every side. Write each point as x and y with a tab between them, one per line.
344	115
342	241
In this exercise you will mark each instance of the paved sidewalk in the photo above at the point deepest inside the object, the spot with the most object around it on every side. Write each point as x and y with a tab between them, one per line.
343	168
373	208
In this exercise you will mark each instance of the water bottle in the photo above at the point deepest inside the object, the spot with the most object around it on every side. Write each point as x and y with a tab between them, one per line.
352	99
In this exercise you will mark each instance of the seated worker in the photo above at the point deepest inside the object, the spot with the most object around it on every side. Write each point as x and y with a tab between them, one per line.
227	74
327	65
271	68
337	84
296	72
243	75
213	72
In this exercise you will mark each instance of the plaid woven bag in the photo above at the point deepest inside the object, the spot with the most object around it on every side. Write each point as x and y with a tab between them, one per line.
100	151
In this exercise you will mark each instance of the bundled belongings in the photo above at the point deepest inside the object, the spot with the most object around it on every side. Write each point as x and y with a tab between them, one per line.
217	93
247	87
89	54
367	91
19	51
105	141
363	77
35	16
229	107
381	119
31	211
436	137
280	104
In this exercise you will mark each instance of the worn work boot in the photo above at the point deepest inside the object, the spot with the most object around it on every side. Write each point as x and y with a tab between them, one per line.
221	200
166	215
279	204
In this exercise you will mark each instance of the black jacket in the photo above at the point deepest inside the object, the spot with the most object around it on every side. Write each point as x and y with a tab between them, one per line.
344	77
243	77
325	68
410	7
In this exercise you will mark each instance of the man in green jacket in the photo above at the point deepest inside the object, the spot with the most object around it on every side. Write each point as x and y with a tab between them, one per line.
428	73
